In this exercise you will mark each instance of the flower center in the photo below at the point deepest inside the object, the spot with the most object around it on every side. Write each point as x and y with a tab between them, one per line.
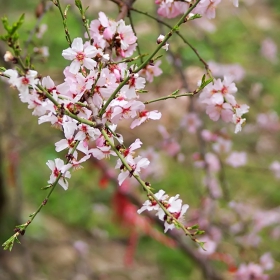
25	81
56	172
80	56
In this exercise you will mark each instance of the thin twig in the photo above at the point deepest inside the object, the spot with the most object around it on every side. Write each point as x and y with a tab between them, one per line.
206	66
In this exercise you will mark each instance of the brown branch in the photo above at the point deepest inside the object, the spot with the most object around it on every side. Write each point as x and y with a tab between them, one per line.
124	7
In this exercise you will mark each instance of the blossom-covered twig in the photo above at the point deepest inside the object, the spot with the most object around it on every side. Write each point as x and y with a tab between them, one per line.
150	57
206	66
20	229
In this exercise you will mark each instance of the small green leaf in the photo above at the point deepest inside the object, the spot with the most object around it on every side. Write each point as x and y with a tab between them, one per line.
203	79
195	16
6	24
8	245
208	82
66	10
78	4
17	25
175	92
201	244
193	227
32	215
46	187
142	91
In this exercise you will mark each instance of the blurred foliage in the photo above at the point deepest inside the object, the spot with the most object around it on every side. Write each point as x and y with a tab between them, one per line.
237	40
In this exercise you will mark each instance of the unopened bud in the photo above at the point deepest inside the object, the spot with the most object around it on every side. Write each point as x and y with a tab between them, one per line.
8	56
39	9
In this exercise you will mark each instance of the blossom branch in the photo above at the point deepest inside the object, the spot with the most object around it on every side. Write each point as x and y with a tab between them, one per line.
206	66
20	229
203	263
65	110
84	19
124	7
150	57
132	26
64	20
147	187
173	95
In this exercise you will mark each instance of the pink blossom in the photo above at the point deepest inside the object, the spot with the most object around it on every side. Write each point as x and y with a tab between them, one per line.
174	206
192	122
235	71
268	121
135	83
224	111
22	83
208	135
275	168
126	110
213	186
129	152
136	166
109	26
81	247
151	71
171	9
48	83
207	8
269	50
210	246
250	271
69	128
212	162
80	55
102	152
153	205
144	116
267	261
39	106
235	3
237	117
237	159
222	145
56	167
178	215
76	164
126	38
87	133
160	39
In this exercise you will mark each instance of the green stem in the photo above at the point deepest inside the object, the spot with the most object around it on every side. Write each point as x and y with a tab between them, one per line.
169	96
134	31
67	35
206	66
66	111
143	184
9	243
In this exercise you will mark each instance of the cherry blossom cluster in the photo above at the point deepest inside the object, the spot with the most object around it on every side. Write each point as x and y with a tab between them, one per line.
220	102
212	161
116	36
251	271
245	224
89	82
173	8
172	204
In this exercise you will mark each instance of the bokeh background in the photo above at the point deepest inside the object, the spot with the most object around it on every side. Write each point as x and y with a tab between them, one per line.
79	235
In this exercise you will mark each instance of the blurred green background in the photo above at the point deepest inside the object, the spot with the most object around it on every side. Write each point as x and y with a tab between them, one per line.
84	212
